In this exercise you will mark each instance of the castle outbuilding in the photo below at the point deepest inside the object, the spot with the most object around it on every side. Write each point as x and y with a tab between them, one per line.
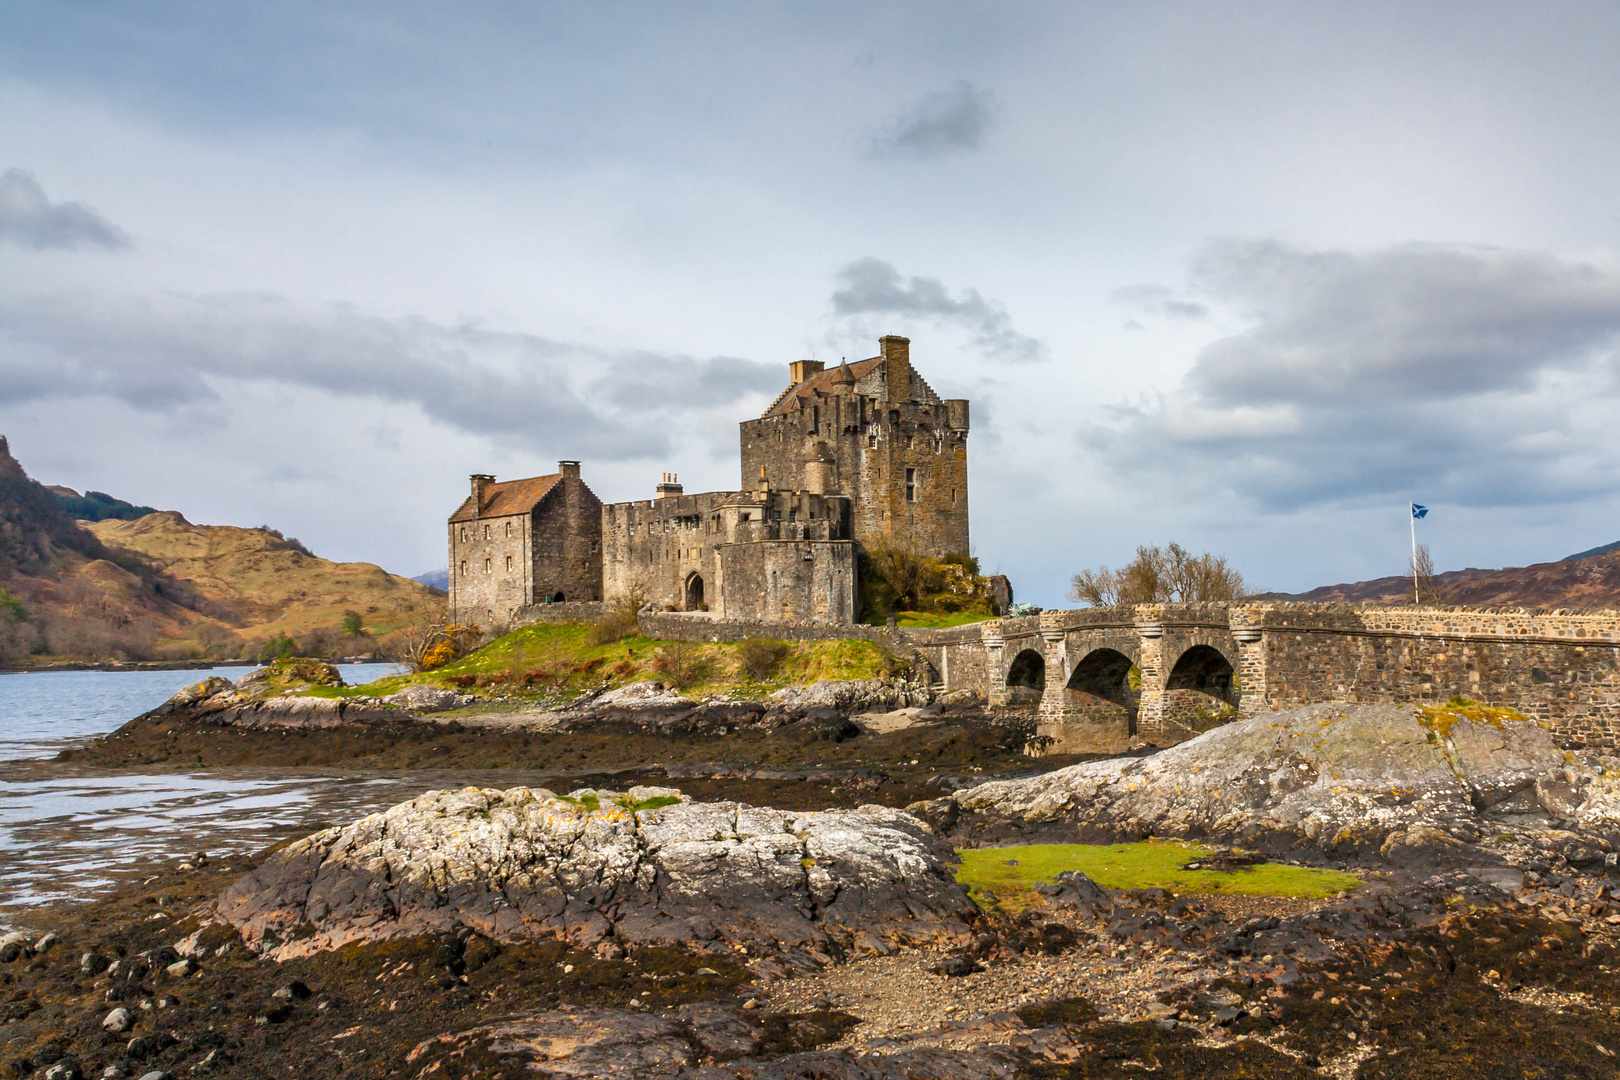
844	457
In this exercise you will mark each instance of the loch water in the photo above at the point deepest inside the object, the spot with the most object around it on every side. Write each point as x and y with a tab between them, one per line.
69	833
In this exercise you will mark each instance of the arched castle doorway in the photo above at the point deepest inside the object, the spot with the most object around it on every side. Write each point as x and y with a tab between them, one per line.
694	592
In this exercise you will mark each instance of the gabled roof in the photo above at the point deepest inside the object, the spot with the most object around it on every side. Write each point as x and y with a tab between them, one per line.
508	498
823	381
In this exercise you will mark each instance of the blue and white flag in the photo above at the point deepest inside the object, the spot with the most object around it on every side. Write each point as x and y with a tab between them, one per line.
1419	510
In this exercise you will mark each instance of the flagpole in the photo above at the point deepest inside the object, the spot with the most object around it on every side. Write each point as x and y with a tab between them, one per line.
1411	514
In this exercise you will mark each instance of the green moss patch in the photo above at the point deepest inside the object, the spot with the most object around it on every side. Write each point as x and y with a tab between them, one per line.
1011	873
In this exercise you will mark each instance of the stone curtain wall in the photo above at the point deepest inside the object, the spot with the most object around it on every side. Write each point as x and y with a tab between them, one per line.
588	611
789	581
1200	665
1561	668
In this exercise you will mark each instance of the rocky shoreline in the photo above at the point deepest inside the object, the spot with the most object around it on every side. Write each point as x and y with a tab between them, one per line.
706	928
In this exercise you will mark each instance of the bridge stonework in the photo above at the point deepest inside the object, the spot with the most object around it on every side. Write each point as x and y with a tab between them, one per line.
1103	678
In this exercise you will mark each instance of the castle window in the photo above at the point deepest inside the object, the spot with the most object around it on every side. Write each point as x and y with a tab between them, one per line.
489	566
464	534
911	485
508	528
815	419
486	532
509	564
953	496
793	515
463	567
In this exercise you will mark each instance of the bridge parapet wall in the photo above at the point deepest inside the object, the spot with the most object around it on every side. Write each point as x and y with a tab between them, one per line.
1195	665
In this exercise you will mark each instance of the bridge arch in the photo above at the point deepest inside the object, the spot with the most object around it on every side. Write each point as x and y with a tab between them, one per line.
1201	690
1026	678
1099	689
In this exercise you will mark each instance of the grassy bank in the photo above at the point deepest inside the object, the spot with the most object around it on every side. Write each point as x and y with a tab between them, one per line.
559	660
1011	873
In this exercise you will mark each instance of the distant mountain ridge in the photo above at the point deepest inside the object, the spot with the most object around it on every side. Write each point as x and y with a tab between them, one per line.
435	579
1590	579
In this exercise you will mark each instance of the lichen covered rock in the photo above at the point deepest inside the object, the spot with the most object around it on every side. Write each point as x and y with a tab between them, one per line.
1344	778
593	865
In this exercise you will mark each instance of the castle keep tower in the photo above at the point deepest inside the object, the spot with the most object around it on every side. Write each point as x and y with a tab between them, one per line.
845	457
876	432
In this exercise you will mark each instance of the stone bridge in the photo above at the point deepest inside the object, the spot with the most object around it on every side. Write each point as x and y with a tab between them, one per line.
1102	678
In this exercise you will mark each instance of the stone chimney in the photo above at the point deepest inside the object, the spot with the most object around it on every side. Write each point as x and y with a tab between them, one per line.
480	486
800	370
669	486
896	367
568	469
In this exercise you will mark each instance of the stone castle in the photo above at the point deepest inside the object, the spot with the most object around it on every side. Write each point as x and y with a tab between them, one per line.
843	458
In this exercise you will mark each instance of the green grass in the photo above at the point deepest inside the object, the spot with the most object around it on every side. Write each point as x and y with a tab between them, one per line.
555	661
938	621
1152	864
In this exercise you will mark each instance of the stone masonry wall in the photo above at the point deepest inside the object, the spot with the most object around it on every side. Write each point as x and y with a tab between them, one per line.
1199	664
567	547
489	576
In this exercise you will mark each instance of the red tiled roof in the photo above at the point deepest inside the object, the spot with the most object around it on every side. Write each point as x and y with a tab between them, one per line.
822	380
508	498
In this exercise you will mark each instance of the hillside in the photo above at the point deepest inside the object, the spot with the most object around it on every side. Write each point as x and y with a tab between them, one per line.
161	588
1583	581
266	585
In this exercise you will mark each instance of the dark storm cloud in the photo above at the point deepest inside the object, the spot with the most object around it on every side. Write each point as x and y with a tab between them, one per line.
1481	376
167	354
871	286
943	122
29	219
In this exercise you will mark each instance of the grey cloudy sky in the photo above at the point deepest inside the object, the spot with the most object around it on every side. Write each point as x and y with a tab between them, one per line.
1248	276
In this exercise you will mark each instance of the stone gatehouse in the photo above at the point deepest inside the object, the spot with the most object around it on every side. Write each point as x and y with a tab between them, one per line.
844	457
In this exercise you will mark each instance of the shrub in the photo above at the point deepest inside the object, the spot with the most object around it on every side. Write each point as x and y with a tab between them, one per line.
620	620
623	668
463	681
591	665
681	663
353	625
759	657
277	648
11	608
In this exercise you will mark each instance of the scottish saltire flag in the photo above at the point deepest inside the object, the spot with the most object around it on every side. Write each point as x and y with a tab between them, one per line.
1419	510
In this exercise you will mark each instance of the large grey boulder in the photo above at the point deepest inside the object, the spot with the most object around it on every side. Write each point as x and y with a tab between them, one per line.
1346	778
853	695
528	863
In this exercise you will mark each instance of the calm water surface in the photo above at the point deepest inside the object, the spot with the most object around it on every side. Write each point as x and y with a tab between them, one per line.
68	832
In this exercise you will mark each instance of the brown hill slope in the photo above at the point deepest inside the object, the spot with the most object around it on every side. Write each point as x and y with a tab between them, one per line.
1592	582
266	585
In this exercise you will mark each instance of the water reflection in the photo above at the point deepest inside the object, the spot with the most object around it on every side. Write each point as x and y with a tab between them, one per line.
67	832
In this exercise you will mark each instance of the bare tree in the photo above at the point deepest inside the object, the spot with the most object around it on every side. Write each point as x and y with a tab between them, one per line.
1425	589
1158	575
